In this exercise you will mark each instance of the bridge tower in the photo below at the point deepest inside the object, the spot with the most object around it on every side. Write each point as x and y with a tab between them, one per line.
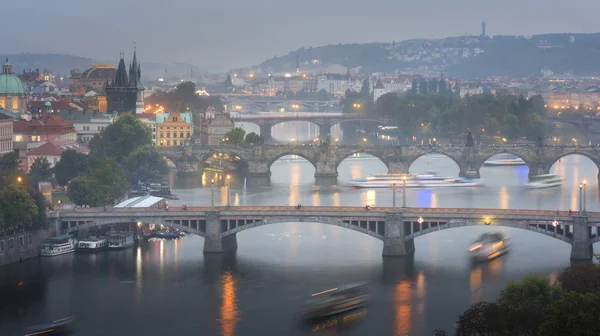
394	241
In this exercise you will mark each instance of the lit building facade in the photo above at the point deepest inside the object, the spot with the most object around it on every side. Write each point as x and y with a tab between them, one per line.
174	131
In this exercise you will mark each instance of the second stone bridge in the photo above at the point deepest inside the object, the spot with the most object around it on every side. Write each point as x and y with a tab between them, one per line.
398	159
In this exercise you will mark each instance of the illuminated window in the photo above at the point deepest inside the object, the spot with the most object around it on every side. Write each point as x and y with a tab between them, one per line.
15	104
18	138
2	103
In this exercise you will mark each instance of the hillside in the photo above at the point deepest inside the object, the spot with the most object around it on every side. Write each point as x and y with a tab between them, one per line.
467	56
57	63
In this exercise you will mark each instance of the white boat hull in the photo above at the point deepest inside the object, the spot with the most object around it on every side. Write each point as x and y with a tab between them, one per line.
542	185
504	163
399	185
54	254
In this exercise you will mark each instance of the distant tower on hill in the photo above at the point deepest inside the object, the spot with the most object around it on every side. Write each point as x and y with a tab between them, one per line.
297	64
483	29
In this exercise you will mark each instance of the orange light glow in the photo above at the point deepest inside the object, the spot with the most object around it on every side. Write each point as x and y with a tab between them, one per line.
229	313
403	312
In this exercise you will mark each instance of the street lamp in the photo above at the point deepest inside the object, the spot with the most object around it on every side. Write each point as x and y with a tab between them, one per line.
227	180
394	196
212	193
580	198
584	195
404	191
555	223
19	179
420	220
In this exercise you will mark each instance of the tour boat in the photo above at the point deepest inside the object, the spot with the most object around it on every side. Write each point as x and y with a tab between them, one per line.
165	234
51	328
425	180
336	300
544	181
58	245
505	160
120	240
92	244
489	246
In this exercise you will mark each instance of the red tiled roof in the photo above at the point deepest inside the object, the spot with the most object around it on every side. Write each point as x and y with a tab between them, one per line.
49	148
46	124
150	116
55	105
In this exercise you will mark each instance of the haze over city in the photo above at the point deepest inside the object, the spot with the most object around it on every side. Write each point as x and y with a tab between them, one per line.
241	33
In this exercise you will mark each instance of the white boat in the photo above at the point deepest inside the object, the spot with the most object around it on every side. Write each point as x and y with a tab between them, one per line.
58	245
336	300
489	246
92	244
120	240
544	181
505	160
425	180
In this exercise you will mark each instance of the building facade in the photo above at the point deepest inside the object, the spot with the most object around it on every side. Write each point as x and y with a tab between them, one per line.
94	78
213	130
13	97
52	151
87	123
44	127
126	94
6	134
174	131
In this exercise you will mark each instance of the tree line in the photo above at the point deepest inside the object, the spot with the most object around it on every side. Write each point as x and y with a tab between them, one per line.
238	136
536	307
432	108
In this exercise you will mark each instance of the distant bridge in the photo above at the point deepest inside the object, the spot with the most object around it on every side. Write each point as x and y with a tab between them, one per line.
396	227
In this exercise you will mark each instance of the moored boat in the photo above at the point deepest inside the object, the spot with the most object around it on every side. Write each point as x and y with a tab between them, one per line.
51	328
92	244
336	300
505	160
58	245
489	246
424	180
120	240
544	181
165	235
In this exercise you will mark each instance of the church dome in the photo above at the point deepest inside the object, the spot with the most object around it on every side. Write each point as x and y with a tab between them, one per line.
10	84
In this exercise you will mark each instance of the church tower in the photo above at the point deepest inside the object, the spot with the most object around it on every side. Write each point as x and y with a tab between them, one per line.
125	93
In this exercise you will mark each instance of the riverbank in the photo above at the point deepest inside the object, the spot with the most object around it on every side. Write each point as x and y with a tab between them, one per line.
19	245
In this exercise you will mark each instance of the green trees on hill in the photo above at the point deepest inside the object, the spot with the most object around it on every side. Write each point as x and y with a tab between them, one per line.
19	206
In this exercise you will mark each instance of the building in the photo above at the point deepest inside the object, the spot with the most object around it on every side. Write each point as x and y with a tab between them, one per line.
149	119
44	127
213	130
94	78
12	91
87	123
52	151
147	201
6	134
174	131
125	94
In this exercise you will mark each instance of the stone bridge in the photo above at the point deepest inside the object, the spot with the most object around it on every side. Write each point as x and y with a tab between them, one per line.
325	122
398	159
396	227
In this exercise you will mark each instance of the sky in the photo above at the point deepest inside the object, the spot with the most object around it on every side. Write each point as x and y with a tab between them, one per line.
236	33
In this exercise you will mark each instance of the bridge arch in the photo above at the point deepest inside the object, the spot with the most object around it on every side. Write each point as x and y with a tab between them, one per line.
374	153
435	151
134	221
594	159
376	232
273	159
511	224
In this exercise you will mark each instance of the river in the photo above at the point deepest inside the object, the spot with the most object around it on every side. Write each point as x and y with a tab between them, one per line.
171	288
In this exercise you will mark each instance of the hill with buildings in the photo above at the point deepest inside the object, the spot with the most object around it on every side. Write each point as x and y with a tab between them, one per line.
465	56
56	63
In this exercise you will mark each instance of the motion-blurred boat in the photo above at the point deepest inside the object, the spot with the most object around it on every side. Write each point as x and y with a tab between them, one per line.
544	181
51	328
336	300
424	180
489	246
505	160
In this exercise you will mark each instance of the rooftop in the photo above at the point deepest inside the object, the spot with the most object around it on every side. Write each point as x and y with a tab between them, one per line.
139	202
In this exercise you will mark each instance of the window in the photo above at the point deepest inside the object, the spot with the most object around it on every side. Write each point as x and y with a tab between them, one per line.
181	135
168	134
174	119
174	134
21	241
11	243
2	102
1	245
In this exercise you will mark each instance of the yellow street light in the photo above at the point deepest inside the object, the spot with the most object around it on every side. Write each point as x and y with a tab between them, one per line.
364	139
487	220
420	220
19	179
228	177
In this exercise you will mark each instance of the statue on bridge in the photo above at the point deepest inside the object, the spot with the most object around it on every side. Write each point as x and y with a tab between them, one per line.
539	141
469	139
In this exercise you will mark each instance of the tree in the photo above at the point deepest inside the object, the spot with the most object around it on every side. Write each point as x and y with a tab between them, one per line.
145	164
253	139
110	178
510	126
84	191
484	319
121	138
581	278
365	90
40	201
18	206
423	87
575	314
40	171
415	87
228	82
70	165
235	136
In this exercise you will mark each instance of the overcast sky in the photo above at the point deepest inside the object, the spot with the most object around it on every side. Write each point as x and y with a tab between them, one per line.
246	32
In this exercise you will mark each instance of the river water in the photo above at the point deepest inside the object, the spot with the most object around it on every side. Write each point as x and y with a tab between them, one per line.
171	288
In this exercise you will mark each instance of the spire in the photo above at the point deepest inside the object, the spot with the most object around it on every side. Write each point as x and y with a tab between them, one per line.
134	70
7	67
121	76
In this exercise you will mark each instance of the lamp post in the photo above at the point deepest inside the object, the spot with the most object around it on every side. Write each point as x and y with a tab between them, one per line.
404	191
212	194
394	196
580	198
227	181
584	196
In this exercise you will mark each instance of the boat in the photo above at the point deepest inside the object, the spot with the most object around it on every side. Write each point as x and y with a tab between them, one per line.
51	328
58	245
165	235
120	240
489	246
424	180
92	244
336	300
505	160
544	181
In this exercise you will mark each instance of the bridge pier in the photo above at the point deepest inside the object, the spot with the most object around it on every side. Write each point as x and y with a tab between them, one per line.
394	243
581	247
398	167
474	174
265	131
326	169
213	241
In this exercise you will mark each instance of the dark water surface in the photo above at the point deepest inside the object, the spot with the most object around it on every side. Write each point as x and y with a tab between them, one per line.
171	288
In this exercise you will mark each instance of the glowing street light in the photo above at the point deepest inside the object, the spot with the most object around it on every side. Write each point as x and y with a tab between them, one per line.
404	191
555	223
420	220
19	179
227	181
584	195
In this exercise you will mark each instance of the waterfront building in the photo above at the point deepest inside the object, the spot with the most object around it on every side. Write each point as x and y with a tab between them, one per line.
44	126
13	96
214	127
175	130
6	134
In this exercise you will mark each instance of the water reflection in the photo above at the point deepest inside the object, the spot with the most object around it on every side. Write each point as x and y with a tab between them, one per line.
229	311
402	308
475	281
337	323
138	274
504	198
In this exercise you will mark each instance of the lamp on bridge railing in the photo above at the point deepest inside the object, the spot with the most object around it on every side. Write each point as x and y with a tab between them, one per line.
555	223
584	195
420	220
212	193
487	220
227	181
